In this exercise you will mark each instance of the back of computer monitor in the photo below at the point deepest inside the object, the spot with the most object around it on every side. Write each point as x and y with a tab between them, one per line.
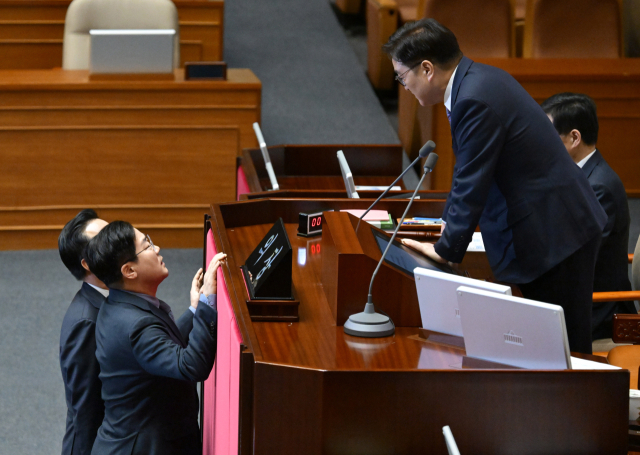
438	300
512	330
131	51
347	176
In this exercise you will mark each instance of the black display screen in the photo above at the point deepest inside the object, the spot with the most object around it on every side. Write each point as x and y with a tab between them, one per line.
404	258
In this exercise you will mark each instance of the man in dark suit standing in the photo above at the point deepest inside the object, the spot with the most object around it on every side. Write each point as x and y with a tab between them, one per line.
149	363
78	362
541	223
575	118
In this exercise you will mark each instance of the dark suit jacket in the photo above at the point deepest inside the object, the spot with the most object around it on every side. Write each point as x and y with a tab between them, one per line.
149	367
612	273
80	370
514	177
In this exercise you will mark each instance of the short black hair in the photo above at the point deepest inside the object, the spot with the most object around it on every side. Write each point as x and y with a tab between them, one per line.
73	240
571	111
425	39
108	251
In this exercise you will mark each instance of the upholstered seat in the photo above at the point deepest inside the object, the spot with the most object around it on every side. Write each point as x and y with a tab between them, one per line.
86	15
573	29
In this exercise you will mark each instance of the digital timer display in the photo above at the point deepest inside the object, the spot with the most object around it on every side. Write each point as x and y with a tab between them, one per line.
310	224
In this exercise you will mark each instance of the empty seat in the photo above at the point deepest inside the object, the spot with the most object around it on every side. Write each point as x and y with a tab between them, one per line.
86	15
573	29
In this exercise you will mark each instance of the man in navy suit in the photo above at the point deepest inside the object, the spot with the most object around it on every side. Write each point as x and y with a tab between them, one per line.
78	362
149	363
575	118
541	223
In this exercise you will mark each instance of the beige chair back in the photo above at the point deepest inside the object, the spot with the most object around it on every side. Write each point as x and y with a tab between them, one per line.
86	15
484	28
573	29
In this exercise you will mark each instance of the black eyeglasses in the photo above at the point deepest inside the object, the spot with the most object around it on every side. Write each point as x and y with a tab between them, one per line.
151	245
400	77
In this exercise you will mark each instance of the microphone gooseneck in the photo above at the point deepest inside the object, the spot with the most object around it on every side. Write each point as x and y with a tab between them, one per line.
431	160
369	323
425	151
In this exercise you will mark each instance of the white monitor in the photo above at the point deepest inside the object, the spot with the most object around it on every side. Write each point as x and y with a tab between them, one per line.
131	51
266	157
347	176
438	301
513	331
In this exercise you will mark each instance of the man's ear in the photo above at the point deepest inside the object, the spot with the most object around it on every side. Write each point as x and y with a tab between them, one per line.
128	271
426	67
85	265
576	138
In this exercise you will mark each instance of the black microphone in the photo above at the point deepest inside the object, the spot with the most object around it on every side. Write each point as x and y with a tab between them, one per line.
424	151
369	323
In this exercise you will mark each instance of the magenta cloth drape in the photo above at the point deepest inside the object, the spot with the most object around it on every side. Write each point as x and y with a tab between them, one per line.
222	389
243	186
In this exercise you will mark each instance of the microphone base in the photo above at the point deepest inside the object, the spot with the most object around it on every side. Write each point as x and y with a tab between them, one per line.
368	325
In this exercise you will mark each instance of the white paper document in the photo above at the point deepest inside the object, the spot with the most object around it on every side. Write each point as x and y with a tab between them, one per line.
476	242
582	364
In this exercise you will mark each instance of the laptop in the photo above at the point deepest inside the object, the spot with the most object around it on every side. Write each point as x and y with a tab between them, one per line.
512	330
131	51
438	300
347	176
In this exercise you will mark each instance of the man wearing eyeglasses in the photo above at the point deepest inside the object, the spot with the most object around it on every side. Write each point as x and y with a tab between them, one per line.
541	223
149	362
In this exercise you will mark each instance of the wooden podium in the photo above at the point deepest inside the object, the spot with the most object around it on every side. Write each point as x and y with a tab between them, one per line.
306	387
312	167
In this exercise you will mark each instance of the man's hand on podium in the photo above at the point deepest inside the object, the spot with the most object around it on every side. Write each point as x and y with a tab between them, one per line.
425	248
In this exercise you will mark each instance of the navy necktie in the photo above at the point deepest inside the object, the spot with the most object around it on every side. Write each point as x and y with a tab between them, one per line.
448	115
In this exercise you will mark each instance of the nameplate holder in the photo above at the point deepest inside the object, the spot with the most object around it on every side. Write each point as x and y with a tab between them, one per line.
205	71
267	271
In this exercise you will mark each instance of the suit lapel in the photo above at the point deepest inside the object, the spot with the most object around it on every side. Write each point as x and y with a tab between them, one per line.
125	297
461	72
463	68
591	163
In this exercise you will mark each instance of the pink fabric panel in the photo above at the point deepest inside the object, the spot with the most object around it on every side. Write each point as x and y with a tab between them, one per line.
243	185
222	389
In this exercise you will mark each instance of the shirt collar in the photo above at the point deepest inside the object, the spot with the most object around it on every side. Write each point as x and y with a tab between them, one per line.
447	92
152	300
584	160
104	292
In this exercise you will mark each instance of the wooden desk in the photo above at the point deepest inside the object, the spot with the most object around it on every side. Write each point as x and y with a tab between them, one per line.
70	143
614	84
338	194
315	167
306	387
31	32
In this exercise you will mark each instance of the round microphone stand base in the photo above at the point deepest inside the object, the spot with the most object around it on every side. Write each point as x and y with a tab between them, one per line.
369	324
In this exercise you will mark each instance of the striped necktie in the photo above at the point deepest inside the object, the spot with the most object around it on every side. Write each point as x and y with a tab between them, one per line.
448	115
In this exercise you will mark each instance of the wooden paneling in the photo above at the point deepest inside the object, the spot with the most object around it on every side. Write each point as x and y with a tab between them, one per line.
614	84
31	32
38	227
72	142
316	390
